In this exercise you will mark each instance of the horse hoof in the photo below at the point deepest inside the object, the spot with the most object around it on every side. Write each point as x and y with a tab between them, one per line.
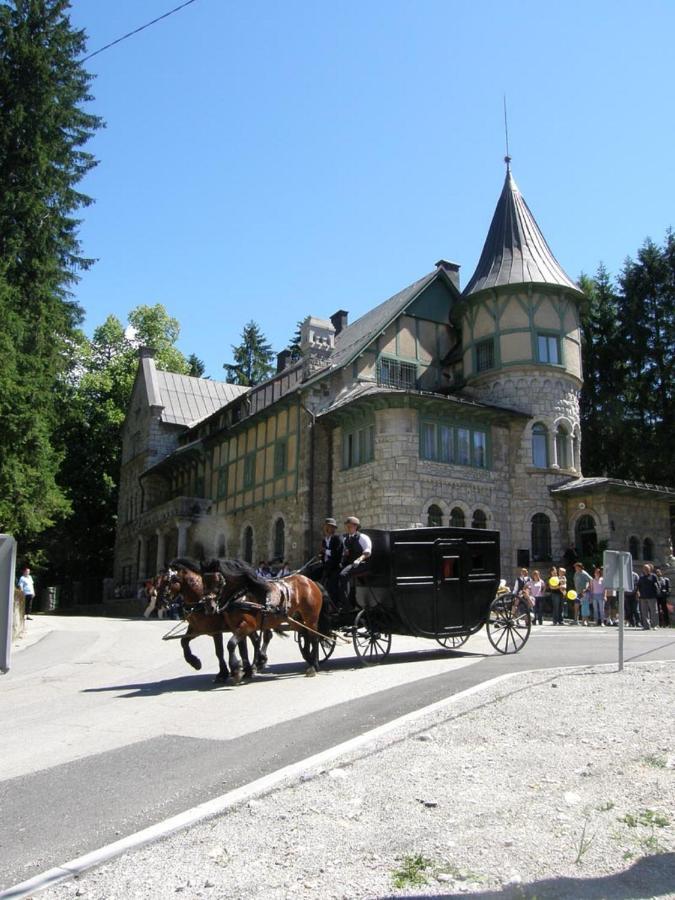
249	672
195	663
311	672
237	676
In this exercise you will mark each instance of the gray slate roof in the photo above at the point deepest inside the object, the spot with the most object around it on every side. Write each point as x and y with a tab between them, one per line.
187	400
618	485
515	250
356	337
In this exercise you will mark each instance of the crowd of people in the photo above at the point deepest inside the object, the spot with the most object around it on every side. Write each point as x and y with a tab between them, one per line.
583	599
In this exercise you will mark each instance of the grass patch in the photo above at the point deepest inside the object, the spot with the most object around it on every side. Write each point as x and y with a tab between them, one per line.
654	760
411	871
648	818
584	843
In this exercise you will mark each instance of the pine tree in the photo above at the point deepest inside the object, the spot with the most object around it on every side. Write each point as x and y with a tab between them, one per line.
604	370
42	131
252	358
647	335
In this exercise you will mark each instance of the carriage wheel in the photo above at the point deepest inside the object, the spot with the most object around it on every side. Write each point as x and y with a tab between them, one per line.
452	641
370	644
326	646
508	624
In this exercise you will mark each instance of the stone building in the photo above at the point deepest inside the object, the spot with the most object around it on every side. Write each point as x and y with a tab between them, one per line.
439	406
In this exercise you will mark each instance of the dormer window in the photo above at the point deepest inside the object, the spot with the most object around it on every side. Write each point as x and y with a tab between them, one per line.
396	374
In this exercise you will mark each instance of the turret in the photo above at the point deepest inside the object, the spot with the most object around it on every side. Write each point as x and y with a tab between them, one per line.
520	328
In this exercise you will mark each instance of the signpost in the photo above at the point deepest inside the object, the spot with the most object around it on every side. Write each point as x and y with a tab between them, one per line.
7	570
618	574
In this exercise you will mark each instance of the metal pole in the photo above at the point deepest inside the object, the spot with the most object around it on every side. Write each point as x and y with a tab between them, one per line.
621	618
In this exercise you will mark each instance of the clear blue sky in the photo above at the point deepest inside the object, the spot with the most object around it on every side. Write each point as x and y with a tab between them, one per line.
268	160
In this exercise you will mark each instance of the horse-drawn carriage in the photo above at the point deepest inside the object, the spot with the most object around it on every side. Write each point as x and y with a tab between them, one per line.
436	583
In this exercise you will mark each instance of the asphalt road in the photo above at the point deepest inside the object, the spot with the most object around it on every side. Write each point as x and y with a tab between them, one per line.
107	731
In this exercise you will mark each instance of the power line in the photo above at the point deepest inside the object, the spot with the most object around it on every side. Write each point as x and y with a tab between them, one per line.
142	28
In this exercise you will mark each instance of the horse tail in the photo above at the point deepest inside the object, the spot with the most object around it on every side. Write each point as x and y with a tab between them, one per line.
324	625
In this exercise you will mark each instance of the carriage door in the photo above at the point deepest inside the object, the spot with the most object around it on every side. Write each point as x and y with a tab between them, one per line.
452	564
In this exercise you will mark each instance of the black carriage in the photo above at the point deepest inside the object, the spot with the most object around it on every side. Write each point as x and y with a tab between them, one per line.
437	583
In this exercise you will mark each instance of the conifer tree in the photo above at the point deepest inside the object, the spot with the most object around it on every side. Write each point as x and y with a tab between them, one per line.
252	358
43	129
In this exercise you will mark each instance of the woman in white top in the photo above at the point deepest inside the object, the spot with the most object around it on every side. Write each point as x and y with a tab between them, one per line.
598	596
538	588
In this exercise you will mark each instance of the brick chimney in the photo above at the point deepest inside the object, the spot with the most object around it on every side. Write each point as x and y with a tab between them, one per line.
339	320
451	269
283	360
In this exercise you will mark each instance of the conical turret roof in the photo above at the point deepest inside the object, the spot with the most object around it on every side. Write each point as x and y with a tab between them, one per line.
515	250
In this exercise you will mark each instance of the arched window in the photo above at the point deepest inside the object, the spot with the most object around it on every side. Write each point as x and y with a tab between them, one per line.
457	518
585	537
479	519
562	447
248	544
279	539
539	446
434	516
634	547
541	536
221	547
648	550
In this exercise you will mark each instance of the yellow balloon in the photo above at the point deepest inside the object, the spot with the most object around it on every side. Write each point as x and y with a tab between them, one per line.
571	595
554	581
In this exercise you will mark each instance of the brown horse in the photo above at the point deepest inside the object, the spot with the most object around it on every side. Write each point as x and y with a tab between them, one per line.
203	620
294	602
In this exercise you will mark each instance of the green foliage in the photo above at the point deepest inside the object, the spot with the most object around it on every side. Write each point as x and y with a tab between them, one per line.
628	402
99	394
43	128
252	358
411	871
196	367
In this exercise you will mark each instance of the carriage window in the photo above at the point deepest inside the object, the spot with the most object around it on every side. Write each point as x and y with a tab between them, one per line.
477	560
450	568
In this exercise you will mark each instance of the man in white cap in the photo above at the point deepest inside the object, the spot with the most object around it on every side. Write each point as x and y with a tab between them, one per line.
331	557
357	550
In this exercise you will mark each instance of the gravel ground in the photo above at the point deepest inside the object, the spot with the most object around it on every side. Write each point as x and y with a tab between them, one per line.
546	785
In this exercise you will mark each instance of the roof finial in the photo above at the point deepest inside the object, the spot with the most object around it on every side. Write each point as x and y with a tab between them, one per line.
507	158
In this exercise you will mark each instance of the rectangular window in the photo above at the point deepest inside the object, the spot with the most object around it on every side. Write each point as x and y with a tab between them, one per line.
485	355
358	446
280	458
445	443
463	446
396	374
249	470
479	449
548	349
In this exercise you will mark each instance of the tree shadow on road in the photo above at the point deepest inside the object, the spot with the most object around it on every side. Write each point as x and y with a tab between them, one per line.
650	876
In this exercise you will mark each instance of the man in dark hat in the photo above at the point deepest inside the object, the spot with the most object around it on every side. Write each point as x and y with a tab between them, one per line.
355	556
331	558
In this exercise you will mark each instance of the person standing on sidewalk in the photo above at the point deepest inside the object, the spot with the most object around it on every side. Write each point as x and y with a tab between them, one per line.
646	590
28	589
538	588
662	595
598	596
631	603
582	585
